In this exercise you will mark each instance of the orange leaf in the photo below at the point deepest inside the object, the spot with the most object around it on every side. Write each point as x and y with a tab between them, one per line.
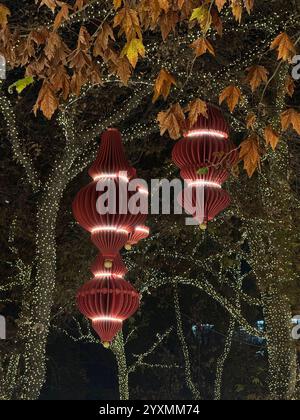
47	101
172	120
102	40
249	4
251	120
285	46
195	109
201	46
51	4
4	13
231	95
220	4
257	75
237	9
163	85
290	86
271	136
62	15
291	117
250	154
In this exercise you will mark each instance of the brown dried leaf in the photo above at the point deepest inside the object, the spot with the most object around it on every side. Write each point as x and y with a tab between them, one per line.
231	95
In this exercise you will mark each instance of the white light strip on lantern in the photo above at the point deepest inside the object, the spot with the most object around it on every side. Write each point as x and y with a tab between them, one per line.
142	229
108	318
202	183
107	274
143	191
105	176
203	132
110	229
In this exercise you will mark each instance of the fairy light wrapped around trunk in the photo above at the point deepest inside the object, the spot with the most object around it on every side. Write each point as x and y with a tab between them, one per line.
205	156
108	300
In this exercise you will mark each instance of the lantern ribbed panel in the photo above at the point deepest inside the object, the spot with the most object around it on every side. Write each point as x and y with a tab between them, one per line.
111	157
215	121
210	204
112	299
118	267
138	234
206	151
86	214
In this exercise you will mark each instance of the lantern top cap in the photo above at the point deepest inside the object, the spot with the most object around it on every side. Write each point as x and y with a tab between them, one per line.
213	123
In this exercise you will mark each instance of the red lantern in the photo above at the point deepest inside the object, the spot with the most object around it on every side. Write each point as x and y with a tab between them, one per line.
109	231
103	209
117	269
204	203
206	145
111	159
137	235
107	303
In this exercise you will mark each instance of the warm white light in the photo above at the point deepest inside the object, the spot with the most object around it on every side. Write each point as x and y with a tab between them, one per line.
107	274
204	132
108	318
143	191
105	176
110	229
203	183
142	229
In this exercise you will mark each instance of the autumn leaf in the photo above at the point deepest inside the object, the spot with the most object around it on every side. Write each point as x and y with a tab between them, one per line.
237	9
132	50
172	120
290	86
256	76
231	95
124	70
47	102
201	46
251	120
203	16
249	4
61	16
271	136
285	46
164	5
102	40
195	109
217	21
163	85
129	23
220	4
4	13
250	154
51	4
117	4
291	117
79	4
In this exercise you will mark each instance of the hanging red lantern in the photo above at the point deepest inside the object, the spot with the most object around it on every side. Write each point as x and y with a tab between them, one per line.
111	159
204	203
103	208
138	234
109	232
107	302
206	145
100	269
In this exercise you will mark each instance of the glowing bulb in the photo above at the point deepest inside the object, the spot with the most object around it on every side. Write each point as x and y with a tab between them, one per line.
107	318
205	132
110	229
203	183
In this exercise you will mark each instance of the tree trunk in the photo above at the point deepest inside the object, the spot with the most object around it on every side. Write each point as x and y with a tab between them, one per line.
123	376
281	348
